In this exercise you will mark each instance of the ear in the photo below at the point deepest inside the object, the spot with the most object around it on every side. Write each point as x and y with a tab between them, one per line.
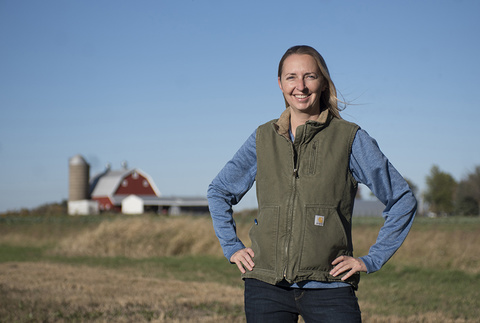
280	84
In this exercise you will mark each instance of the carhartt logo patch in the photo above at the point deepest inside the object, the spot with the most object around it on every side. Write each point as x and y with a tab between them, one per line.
319	220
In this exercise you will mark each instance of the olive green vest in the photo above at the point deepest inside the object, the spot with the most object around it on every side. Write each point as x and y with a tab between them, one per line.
305	194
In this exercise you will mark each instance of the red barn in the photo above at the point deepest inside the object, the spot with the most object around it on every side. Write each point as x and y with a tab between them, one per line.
112	186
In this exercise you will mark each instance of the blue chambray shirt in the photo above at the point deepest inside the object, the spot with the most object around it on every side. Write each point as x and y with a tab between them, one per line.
368	165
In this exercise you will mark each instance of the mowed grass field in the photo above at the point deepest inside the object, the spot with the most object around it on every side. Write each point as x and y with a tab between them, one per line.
116	268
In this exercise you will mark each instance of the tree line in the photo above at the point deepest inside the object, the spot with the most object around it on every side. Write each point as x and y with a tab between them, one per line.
446	196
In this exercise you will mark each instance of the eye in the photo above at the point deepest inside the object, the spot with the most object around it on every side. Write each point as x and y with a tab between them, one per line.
312	77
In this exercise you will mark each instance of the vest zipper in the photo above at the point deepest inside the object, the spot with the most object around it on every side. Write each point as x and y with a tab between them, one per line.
292	207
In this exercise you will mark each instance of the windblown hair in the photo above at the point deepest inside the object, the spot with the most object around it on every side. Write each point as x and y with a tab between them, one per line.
328	99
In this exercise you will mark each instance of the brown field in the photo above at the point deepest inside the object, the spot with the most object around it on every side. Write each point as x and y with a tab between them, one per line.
106	295
54	288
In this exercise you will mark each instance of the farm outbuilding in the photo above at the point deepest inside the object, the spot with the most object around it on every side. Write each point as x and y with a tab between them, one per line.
368	207
134	204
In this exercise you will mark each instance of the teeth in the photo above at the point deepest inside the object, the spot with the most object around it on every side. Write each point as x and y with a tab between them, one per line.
301	96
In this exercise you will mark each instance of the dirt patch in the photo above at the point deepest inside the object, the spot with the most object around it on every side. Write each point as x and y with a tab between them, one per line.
61	293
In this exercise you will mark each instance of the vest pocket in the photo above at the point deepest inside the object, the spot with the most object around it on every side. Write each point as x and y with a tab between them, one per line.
324	238
263	235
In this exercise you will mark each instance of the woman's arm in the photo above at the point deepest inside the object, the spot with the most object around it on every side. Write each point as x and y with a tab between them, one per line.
370	167
227	189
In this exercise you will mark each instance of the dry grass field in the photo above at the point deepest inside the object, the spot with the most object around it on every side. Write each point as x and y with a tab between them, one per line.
171	269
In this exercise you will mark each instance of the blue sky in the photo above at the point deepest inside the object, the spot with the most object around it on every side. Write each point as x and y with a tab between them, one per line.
175	87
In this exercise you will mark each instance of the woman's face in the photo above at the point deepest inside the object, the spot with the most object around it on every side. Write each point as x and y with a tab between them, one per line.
302	83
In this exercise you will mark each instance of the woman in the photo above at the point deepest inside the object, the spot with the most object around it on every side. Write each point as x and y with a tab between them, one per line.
307	166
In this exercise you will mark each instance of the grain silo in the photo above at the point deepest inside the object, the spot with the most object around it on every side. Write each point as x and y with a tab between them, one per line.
79	174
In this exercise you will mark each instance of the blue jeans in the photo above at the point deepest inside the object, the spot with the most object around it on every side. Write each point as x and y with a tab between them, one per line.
271	303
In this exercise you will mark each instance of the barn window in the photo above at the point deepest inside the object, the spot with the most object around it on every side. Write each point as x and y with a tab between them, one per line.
145	183
125	183
135	175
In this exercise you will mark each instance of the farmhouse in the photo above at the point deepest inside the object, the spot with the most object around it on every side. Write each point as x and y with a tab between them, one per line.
130	191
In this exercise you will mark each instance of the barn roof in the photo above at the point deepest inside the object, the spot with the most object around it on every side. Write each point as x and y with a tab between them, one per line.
106	183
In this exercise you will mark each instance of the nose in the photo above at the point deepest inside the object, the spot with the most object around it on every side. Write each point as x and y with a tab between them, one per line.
300	85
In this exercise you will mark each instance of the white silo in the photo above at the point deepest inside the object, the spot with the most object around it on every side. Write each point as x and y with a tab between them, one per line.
79	202
79	174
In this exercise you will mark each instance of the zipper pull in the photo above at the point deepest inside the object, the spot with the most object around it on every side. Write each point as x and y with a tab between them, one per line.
295	173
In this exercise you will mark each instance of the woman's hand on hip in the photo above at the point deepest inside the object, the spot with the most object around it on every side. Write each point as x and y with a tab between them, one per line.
345	263
244	259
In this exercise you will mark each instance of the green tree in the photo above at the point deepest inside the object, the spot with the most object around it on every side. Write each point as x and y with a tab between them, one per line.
468	194
440	192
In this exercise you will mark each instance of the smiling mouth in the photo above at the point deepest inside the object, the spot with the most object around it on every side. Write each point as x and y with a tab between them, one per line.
301	96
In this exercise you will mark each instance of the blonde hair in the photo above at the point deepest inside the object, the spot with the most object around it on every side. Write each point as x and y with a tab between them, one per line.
328	99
